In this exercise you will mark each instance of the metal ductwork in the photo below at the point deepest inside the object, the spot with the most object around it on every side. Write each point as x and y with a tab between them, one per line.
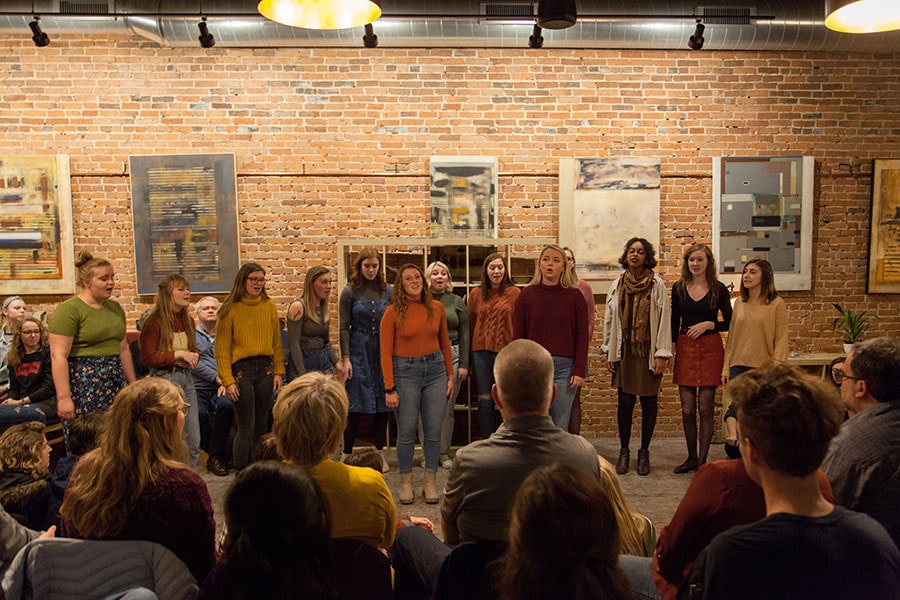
753	25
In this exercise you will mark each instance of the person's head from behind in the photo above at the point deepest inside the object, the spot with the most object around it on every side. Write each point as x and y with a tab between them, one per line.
366	456
871	373
523	372
281	550
266	448
24	447
310	416
84	432
786	419
563	539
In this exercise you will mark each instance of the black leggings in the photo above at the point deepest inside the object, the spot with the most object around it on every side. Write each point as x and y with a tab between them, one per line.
380	435
625	412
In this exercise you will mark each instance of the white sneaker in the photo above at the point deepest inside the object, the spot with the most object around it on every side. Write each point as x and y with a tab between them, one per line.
446	461
385	467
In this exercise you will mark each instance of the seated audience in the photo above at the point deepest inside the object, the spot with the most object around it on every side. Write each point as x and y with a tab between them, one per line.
25	473
135	485
563	540
32	396
863	463
13	311
637	535
310	416
805	547
14	536
84	436
486	474
280	551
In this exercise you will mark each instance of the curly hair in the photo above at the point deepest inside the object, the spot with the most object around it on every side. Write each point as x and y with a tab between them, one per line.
20	449
649	253
398	300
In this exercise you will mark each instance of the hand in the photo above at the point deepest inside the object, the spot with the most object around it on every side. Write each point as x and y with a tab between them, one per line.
276	383
612	366
698	329
348	368
449	388
575	381
724	379
221	391
462	374
187	358
51	532
660	365
392	399
731	440
232	392
422	522
65	408
11	402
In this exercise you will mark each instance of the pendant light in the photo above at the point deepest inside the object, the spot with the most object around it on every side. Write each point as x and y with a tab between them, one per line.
862	16
321	14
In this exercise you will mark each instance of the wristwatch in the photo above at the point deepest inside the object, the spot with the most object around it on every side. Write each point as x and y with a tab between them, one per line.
391	390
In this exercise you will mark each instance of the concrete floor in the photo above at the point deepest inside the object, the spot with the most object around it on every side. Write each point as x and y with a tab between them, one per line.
656	495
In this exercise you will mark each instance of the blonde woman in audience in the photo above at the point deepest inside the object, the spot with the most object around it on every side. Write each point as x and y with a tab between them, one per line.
14	310
90	357
563	540
135	485
32	396
249	357
25	473
169	349
588	293
637	535
309	327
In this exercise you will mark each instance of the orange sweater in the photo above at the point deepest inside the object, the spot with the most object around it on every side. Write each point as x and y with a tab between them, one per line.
416	336
491	320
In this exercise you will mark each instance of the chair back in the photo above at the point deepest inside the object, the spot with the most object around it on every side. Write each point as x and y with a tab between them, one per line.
361	571
466	573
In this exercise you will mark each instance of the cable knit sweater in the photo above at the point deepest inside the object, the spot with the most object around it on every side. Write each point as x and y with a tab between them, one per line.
250	328
491	320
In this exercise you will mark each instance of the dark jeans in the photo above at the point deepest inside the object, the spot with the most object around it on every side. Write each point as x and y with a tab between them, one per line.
483	365
255	379
216	417
417	557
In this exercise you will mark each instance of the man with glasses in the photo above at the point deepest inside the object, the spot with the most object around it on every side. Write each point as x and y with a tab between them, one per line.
863	462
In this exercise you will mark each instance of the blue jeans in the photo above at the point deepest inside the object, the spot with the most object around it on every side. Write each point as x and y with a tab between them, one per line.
483	365
561	409
449	420
317	360
255	379
422	386
182	378
21	413
639	571
216	415
417	557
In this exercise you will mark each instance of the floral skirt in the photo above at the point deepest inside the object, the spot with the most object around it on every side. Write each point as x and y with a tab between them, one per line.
95	381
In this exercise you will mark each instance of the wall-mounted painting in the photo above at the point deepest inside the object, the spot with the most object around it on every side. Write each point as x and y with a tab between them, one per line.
36	249
602	203
463	197
185	220
762	208
884	237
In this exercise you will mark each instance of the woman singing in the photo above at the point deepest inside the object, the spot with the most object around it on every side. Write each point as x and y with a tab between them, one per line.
308	323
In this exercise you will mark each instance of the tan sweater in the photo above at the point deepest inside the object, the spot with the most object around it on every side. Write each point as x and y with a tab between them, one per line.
250	328
758	333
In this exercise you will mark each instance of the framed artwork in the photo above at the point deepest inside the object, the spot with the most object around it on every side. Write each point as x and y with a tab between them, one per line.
463	197
37	254
762	208
884	235
185	220
603	202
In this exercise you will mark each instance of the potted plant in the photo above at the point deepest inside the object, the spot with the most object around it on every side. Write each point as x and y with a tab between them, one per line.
851	325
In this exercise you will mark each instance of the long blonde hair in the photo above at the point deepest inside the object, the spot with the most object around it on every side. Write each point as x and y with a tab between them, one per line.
309	298
631	534
565	280
140	441
165	314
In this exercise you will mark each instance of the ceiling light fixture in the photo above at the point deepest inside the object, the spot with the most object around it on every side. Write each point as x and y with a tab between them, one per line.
321	14
206	38
40	38
862	16
556	14
696	41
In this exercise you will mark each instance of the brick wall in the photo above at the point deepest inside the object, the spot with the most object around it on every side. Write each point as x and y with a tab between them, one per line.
335	143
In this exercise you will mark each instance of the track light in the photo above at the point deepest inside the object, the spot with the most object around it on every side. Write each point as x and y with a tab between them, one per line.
370	40
40	38
696	41
536	40
206	38
556	14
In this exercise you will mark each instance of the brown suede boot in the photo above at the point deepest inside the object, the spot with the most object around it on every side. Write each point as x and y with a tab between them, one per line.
406	489
429	490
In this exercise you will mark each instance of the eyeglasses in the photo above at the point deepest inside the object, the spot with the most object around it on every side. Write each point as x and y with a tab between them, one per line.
839	376
256	279
185	409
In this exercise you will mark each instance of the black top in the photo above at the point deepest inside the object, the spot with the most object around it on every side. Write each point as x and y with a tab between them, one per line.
687	312
33	378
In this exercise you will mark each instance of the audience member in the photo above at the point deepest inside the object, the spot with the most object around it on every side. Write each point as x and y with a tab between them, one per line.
14	310
169	349
805	547
588	292
267	449
563	540
91	360
249	357
309	327
32	396
279	551
214	409
486	474
310	418
13	537
863	463
84	436
637	535
25	473
135	485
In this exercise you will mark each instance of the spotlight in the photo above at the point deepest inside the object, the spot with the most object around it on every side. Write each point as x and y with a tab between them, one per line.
206	38
370	40
40	38
696	41
536	40
556	14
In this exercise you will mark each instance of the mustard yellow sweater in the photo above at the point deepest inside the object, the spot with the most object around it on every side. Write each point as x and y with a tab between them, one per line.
250	328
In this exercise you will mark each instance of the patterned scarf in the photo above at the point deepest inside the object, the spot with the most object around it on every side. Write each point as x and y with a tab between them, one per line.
634	306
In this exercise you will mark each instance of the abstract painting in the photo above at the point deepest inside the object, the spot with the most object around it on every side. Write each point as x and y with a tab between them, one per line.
884	239
185	220
463	197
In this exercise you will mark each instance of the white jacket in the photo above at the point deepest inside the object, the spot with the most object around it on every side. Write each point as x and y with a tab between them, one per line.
660	323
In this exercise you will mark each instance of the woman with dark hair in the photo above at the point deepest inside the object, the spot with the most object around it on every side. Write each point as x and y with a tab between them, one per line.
552	312
135	485
491	306
637	339
169	349
25	473
32	396
249	357
588	293
362	305
90	357
698	298
280	553
308	325
418	374
563	540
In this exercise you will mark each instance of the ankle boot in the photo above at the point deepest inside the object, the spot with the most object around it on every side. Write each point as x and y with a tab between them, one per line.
624	459
406	489
428	488
643	462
